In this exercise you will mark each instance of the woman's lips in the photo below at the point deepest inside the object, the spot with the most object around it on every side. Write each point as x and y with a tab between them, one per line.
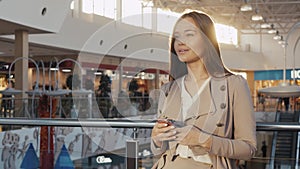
182	51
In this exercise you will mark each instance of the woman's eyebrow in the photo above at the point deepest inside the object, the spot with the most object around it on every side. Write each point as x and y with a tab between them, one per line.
187	30
190	30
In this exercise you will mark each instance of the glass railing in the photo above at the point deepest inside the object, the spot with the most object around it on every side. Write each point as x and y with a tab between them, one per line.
118	143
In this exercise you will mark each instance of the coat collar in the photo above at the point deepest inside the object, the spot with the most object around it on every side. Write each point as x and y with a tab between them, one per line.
217	97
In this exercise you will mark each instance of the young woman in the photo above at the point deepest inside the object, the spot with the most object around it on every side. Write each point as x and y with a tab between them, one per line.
206	115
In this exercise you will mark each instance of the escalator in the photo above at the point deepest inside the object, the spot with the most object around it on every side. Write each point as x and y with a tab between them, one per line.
284	142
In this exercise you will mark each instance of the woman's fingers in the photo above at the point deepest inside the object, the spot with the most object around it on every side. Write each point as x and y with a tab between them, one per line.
184	133
161	128
187	135
161	125
162	132
167	136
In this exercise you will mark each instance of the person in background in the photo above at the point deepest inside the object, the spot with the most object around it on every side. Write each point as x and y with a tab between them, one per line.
279	104
103	95
261	100
8	103
205	113
124	107
264	149
89	84
264	152
286	101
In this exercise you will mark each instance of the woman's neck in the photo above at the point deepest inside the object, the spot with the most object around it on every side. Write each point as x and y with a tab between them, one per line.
197	72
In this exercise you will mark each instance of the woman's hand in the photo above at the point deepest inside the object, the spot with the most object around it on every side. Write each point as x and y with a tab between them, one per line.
162	131
189	135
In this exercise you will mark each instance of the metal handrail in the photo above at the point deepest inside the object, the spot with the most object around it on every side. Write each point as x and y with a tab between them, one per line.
128	123
114	123
278	126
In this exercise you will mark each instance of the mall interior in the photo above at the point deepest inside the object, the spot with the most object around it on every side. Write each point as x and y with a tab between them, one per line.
80	80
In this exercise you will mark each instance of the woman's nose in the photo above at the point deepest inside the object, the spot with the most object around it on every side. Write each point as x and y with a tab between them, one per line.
181	41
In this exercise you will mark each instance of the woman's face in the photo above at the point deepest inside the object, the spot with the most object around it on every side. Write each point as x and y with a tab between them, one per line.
188	44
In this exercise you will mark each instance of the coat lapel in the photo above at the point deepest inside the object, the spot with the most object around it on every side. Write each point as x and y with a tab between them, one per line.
219	106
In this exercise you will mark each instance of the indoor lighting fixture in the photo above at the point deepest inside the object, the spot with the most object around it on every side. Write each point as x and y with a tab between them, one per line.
66	70
246	8
97	73
257	17
272	30
5	66
281	41
54	69
265	26
277	36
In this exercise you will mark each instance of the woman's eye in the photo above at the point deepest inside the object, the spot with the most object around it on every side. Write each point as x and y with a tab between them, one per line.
189	34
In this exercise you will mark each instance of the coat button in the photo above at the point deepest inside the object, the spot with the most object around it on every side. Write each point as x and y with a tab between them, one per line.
223	87
223	106
220	124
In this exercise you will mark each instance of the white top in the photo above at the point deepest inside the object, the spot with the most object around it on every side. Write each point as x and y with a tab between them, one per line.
187	101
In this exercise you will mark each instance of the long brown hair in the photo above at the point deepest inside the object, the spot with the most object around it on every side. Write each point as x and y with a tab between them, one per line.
212	60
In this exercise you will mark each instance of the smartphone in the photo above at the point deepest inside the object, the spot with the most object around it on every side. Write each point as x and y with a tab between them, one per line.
178	123
166	121
171	122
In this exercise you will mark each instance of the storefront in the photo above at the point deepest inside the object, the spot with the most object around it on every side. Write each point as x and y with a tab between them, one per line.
270	78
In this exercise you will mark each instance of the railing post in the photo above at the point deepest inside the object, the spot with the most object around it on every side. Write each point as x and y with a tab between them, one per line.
132	151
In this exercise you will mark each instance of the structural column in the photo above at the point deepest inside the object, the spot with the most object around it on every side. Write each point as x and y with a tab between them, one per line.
120	75
154	19
157	79
119	14
21	66
77	8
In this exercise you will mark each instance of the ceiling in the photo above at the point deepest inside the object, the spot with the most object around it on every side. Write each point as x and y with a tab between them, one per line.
40	52
7	46
283	14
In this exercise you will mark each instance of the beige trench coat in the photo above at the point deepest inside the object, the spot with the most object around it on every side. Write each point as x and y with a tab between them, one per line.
229	119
